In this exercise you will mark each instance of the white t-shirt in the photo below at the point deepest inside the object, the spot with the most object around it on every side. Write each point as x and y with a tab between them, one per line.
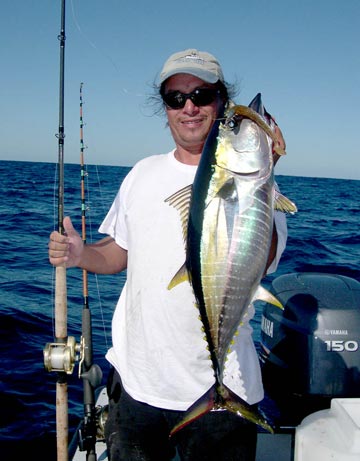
159	348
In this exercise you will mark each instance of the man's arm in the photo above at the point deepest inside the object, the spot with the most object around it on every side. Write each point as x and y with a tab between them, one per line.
103	257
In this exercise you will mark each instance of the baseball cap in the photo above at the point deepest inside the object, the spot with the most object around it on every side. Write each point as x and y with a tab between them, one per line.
198	63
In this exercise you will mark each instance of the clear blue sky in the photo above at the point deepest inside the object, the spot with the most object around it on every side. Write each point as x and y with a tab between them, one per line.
302	55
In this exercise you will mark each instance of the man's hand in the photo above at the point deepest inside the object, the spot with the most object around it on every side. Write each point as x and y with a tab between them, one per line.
280	143
65	248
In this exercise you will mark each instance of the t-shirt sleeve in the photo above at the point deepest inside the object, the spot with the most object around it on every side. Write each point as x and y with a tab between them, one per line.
114	223
281	228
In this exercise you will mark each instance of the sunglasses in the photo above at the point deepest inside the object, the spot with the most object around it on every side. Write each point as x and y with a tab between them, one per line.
199	97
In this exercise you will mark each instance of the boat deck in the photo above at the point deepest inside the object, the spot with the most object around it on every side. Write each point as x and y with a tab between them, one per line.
279	446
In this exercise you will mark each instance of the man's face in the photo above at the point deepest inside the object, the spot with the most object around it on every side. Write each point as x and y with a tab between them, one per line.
191	124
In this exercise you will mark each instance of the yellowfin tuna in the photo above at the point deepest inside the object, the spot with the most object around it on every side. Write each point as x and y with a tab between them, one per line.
227	216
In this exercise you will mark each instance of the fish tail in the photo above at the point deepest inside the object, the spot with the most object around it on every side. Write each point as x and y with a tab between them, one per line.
221	397
237	405
202	406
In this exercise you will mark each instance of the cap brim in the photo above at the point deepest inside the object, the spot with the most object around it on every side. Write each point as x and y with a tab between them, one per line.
207	76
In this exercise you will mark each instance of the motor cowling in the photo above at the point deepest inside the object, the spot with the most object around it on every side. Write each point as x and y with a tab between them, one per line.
311	349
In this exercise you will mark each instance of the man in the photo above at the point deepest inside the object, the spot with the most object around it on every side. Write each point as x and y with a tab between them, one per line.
158	346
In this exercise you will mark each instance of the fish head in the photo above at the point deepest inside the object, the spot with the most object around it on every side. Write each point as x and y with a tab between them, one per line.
244	142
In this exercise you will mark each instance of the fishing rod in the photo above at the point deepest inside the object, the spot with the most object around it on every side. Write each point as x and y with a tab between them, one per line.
60	355
89	372
62	419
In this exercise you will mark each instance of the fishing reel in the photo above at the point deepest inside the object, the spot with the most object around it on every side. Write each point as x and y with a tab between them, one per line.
61	356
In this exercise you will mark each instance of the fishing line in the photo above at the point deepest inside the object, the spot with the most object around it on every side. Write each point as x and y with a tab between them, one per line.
91	239
92	44
86	208
53	273
96	278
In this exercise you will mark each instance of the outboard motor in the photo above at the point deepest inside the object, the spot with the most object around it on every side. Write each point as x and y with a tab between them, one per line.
310	351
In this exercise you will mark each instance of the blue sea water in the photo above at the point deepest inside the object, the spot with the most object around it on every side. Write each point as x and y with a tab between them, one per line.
323	236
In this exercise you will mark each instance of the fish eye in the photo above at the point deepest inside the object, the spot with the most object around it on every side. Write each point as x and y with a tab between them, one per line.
231	123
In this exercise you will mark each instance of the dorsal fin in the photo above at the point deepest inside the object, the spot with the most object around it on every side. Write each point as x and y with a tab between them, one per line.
257	105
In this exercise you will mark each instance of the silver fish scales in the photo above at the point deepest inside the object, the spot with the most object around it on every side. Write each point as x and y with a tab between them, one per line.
227	216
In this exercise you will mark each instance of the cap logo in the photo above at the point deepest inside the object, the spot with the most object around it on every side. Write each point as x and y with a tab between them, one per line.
193	58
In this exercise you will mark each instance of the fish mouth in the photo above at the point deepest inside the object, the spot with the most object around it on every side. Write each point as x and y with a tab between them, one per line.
250	174
244	174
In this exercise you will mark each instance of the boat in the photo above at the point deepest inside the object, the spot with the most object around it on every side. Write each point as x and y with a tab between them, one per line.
310	360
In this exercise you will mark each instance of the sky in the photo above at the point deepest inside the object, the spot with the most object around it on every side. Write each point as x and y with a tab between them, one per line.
302	55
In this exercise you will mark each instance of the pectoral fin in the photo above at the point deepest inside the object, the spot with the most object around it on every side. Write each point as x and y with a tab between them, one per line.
283	204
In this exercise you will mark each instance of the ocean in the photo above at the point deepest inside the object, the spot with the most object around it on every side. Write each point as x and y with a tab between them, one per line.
323	237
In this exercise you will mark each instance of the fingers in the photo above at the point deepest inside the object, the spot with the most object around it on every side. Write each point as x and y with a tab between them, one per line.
281	141
65	248
276	158
68	227
280	144
58	248
57	240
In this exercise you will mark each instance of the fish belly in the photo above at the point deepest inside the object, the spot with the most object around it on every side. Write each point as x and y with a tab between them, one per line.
234	251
